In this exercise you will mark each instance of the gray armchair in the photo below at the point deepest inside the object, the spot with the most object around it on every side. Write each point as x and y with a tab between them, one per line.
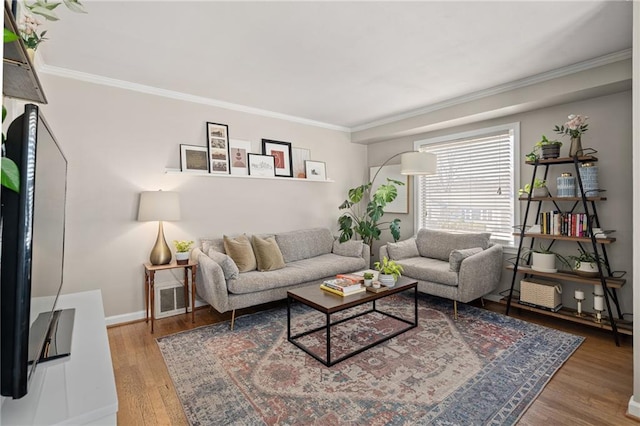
460	267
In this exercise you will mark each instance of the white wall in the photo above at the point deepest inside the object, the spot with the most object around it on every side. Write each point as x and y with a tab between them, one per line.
119	142
610	132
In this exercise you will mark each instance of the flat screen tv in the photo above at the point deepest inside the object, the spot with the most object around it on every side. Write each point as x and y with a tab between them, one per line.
32	256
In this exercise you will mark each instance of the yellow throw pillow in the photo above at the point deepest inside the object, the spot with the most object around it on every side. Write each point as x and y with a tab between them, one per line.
239	249
267	253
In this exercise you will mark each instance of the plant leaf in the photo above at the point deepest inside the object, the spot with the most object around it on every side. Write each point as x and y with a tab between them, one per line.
49	15
75	6
374	211
345	205
394	227
9	36
10	175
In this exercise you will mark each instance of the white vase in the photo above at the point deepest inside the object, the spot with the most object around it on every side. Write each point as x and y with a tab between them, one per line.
182	258
387	280
543	262
587	269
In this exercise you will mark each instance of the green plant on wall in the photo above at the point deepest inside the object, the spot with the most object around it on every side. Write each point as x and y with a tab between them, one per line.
365	221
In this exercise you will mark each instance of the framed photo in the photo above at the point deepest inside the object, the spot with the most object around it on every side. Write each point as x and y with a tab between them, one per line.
193	158
300	155
401	203
238	151
281	152
315	170
262	165
218	148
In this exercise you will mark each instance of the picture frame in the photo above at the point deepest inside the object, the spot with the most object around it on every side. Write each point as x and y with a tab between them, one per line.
194	158
281	152
315	170
300	155
261	165
238	156
401	203
218	148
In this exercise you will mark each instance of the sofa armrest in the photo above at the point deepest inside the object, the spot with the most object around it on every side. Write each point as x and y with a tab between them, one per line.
366	252
384	252
210	283
480	273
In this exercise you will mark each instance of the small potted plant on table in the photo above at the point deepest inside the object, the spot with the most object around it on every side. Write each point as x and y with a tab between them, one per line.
368	278
182	251
389	270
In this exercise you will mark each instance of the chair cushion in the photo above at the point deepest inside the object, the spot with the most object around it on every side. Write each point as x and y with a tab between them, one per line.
403	249
428	269
438	244
240	250
229	267
457	256
351	248
267	252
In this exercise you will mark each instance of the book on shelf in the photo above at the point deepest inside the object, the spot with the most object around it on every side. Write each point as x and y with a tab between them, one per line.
342	284
341	293
352	277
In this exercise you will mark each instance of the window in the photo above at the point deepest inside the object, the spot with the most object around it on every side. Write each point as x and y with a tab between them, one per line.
474	189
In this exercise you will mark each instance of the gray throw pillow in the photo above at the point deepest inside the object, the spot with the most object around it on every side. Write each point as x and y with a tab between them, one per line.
457	256
351	248
403	249
229	267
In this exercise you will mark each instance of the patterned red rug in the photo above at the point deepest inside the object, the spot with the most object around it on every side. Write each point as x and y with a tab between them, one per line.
484	368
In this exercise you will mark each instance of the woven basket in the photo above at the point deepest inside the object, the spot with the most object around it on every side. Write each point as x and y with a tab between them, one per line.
541	293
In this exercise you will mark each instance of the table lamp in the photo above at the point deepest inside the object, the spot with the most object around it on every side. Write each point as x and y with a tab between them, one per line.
160	206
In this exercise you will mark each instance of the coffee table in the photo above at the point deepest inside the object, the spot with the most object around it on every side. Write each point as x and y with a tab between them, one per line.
329	303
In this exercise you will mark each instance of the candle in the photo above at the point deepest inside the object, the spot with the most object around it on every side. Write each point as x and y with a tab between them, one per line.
598	290
579	295
598	303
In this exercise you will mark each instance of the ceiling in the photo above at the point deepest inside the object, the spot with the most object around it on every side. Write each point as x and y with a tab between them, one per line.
347	64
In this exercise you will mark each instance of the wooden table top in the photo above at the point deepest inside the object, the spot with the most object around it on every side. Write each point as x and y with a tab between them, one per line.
327	302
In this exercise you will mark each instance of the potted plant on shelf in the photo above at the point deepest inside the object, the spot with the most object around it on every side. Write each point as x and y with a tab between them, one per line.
586	263
544	148
543	259
389	270
539	188
182	251
575	127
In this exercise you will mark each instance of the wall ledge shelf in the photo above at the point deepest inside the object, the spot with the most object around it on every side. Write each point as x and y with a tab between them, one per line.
205	174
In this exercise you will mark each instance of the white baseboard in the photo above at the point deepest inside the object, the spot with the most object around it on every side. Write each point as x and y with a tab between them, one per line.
136	316
633	408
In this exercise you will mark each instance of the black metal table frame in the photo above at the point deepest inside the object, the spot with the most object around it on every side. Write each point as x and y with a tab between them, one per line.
328	324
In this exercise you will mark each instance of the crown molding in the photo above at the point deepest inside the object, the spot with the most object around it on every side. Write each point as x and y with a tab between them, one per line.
513	85
126	85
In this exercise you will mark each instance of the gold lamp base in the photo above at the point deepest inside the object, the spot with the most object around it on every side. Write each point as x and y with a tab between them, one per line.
160	253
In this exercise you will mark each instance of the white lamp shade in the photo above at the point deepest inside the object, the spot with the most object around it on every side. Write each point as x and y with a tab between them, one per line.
159	205
418	163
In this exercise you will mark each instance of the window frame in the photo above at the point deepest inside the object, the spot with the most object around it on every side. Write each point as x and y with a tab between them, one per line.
479	132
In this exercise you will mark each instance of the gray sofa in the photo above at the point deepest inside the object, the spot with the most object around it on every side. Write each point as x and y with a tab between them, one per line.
456	266
310	257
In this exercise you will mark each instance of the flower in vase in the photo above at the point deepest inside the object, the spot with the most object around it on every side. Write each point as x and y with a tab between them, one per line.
575	127
28	29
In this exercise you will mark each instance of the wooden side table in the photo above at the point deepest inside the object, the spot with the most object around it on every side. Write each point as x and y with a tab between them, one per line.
149	287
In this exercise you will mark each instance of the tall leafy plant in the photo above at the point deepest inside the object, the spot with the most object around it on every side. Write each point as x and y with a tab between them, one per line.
366	220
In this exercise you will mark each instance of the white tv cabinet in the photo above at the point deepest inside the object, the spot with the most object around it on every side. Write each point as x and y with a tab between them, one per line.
76	390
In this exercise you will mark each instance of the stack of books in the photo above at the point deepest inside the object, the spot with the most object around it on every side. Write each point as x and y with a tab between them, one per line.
342	287
352	277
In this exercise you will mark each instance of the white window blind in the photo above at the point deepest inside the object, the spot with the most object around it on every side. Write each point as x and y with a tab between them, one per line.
474	187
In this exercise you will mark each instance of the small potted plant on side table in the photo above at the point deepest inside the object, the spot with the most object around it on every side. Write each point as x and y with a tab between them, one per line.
182	251
389	270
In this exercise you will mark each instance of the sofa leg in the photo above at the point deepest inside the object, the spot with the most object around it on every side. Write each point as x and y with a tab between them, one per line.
233	319
482	301
455	310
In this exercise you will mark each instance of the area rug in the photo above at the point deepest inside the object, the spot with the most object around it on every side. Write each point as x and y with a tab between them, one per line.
482	369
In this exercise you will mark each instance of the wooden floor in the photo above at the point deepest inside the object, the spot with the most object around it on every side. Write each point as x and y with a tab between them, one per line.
592	388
